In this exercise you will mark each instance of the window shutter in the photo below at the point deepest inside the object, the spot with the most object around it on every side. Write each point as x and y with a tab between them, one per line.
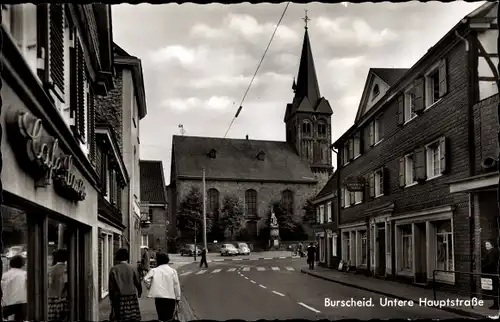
357	142
401	109
56	47
342	197
351	149
42	35
341	156
352	197
91	126
419	95
442	154
361	141
402	170
80	92
371	182
380	123
371	133
104	169
420	164
443	78
73	83
386	183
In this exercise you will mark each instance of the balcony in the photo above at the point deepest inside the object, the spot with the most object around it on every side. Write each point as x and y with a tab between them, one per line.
109	212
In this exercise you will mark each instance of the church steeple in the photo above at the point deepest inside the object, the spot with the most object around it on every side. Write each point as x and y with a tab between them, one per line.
307	81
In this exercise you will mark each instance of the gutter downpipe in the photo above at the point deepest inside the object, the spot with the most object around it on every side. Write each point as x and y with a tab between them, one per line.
339	206
498	115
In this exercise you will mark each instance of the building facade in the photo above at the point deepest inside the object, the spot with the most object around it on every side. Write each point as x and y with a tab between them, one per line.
411	138
155	223
55	57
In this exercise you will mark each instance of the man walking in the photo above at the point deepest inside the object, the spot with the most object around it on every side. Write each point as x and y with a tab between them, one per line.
311	255
204	258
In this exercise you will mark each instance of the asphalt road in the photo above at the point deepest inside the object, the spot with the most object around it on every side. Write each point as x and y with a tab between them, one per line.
275	289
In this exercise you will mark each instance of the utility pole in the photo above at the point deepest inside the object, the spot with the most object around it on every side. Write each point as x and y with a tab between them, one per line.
204	212
194	252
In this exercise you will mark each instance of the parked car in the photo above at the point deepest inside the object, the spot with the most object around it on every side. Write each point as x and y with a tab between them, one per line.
188	250
16	250
243	249
228	250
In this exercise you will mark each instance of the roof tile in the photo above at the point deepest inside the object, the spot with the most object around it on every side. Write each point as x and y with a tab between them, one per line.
152	182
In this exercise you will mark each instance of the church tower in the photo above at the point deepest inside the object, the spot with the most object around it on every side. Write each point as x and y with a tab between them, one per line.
308	117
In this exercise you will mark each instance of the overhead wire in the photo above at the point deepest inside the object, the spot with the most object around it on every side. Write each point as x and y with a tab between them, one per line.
258	67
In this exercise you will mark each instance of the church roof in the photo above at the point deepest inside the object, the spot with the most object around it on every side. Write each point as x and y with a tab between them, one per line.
238	159
152	182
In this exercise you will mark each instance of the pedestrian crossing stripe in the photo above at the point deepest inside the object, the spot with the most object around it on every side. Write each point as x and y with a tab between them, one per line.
186	273
234	269
260	269
216	270
231	270
275	268
246	269
289	268
201	272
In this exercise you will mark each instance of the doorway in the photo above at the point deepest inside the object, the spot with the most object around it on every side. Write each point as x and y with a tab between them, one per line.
381	252
420	250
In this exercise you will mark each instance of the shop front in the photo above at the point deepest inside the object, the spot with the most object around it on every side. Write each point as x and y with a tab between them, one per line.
49	212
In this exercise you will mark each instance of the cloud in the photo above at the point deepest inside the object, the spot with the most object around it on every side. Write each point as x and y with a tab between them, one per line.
217	103
354	31
185	56
182	105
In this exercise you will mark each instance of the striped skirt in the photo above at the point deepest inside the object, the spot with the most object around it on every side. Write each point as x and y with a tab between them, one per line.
125	308
58	309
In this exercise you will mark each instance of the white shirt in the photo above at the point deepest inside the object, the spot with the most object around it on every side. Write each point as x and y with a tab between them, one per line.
163	282
14	287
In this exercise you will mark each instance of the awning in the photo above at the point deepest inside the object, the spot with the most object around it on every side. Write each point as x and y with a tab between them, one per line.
482	182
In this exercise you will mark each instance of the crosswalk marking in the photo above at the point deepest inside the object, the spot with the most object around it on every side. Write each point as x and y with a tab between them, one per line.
201	272
186	273
289	268
238	270
275	268
231	270
260	269
216	270
246	269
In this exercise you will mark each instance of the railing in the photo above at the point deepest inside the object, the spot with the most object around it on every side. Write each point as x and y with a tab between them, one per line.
465	286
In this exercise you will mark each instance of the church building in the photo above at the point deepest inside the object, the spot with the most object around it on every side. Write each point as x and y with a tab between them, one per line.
261	172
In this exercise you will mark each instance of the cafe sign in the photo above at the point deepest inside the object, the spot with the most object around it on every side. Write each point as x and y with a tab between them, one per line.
38	153
355	184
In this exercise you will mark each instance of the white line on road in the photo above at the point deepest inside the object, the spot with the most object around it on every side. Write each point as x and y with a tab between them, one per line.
260	269
218	260
278	293
267	258
253	282
308	307
262	286
282	257
246	277
275	268
216	270
186	273
201	272
290	269
237	259
246	269
232	270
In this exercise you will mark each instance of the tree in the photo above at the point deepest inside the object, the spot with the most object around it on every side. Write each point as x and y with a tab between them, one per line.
231	214
309	211
190	212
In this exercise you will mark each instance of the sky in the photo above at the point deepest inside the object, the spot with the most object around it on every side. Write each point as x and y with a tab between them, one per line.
198	61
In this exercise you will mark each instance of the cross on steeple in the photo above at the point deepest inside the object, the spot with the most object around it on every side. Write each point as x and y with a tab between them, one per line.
306	19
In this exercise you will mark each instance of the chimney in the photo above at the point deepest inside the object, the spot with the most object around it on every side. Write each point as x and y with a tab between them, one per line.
247	136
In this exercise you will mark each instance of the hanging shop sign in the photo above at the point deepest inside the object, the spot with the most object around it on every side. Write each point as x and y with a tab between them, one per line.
355	184
38	153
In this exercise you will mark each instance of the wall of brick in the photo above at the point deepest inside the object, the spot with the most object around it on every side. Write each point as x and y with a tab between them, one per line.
110	108
485	130
266	193
446	118
156	231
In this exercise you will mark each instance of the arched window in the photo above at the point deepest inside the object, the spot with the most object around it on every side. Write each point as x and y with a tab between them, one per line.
287	200
321	129
251	203
213	200
306	128
376	90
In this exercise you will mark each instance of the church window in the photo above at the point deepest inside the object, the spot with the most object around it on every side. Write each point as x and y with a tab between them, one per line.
287	201
376	91
321	129
306	128
251	203
213	200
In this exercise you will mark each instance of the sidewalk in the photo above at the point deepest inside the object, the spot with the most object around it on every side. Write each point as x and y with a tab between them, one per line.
398	290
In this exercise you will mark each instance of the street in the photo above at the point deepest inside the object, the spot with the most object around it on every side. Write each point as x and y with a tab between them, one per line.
275	289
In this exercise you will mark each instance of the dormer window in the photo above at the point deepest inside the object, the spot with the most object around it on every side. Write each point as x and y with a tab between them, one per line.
261	155
376	90
306	128
212	154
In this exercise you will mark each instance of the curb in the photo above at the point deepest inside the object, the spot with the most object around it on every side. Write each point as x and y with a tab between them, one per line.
447	309
186	312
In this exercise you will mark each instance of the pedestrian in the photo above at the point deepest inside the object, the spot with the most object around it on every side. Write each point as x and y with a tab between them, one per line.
163	285
14	288
311	255
204	258
125	289
145	261
490	266
58	288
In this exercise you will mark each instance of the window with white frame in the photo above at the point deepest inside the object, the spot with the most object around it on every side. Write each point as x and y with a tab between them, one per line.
334	245
318	216
329	211
145	240
379	183
364	248
409	105
377	129
358	197
444	246
107	261
409	167
432	87
433	156
346	196
406	248
321	214
347	247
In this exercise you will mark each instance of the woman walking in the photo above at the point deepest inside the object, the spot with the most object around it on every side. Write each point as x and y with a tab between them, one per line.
124	289
163	284
58	287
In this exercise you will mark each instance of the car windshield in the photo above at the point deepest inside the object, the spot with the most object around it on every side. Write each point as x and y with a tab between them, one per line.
242	245
190	246
16	248
230	246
